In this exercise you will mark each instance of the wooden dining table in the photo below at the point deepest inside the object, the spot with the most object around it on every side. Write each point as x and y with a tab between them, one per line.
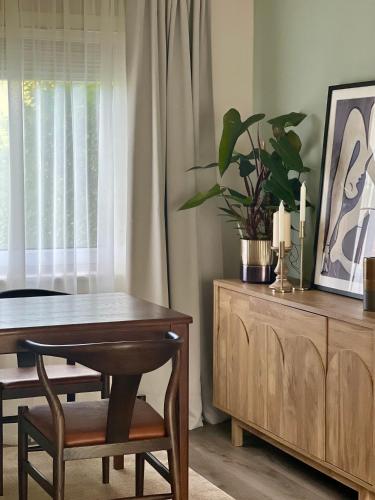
98	318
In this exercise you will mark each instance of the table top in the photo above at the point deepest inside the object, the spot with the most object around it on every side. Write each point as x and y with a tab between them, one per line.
82	309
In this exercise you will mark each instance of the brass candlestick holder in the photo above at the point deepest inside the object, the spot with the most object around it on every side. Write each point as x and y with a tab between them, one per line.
301	236
281	283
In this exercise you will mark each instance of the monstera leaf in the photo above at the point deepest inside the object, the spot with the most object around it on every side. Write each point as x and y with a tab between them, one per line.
233	128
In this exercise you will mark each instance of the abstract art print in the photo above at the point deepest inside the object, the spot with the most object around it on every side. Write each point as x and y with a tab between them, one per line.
346	222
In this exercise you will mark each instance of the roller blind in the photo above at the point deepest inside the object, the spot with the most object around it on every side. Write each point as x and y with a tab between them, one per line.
54	40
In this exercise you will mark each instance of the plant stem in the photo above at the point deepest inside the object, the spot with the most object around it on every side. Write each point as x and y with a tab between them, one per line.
255	156
249	186
258	139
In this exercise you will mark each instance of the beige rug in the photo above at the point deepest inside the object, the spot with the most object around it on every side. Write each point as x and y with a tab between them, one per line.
83	480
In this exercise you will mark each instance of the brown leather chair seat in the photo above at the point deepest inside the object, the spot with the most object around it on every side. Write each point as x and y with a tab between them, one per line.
86	422
14	378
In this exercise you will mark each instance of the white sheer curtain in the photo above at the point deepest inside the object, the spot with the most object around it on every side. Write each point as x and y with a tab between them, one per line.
62	144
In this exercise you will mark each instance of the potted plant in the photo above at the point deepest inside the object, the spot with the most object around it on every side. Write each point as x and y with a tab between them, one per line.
268	177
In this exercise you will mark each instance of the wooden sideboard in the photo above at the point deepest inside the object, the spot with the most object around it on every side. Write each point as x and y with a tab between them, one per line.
298	370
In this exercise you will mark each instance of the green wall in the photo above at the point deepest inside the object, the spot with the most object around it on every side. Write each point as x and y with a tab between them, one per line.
300	48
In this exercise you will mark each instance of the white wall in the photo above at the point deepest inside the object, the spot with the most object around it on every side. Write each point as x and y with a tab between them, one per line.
232	46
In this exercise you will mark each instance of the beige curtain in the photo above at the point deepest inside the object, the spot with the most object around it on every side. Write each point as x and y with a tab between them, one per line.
172	256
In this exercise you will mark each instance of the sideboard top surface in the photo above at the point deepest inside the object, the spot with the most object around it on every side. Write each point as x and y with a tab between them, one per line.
315	301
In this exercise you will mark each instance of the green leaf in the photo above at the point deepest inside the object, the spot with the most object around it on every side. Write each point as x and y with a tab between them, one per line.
246	167
290	156
294	140
295	185
200	198
232	213
280	123
241	155
233	128
270	161
278	189
252	120
241	198
290	120
210	165
278	183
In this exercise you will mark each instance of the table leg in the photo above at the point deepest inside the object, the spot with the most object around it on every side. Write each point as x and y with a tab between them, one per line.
183	409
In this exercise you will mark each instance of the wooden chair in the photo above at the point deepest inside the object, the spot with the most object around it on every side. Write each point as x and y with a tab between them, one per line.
23	382
119	425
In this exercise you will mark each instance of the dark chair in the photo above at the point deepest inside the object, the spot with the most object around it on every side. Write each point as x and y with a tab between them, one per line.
23	382
119	425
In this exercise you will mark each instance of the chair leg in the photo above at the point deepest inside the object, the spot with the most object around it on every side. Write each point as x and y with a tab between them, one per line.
22	458
1	447
174	468
70	398
139	474
58	478
105	470
118	462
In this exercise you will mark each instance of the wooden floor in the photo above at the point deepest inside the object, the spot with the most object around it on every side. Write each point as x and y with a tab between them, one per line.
258	471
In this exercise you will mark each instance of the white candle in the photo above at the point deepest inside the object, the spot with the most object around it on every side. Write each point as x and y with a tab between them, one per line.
287	229
281	222
302	207
275	232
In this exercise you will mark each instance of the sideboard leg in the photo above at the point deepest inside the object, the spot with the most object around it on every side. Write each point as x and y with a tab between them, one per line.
237	434
366	495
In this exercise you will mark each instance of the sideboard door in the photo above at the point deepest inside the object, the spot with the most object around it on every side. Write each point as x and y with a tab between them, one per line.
350	417
240	360
270	368
296	371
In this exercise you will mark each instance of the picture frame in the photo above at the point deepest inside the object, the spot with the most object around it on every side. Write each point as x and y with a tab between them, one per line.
345	231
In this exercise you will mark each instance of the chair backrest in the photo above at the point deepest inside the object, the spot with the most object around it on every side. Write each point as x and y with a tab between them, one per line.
28	292
27	359
126	362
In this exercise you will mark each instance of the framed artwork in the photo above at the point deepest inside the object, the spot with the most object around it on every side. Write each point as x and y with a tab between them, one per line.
346	218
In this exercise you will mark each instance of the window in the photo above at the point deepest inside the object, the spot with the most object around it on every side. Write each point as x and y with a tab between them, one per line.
52	145
62	105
